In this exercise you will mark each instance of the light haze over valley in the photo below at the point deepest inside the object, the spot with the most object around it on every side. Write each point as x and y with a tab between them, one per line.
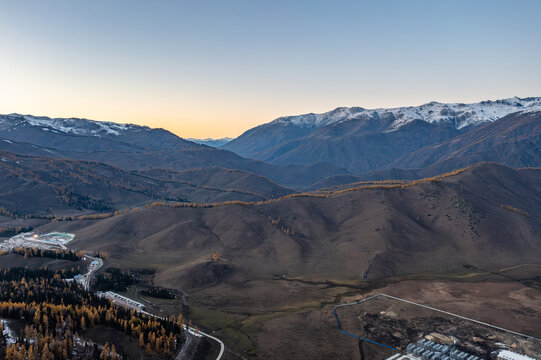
270	180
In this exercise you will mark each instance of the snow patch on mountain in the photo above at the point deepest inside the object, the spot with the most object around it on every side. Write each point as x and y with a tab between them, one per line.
319	120
66	125
462	115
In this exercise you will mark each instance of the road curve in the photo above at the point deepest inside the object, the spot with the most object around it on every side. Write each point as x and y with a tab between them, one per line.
185	347
87	277
91	272
193	331
222	346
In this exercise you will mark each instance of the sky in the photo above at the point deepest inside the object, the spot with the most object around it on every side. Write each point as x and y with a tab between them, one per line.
217	68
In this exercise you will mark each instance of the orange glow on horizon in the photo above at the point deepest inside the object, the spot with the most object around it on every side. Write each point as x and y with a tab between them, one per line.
202	70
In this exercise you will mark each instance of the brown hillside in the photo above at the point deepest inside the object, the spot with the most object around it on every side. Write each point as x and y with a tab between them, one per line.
32	185
434	226
264	278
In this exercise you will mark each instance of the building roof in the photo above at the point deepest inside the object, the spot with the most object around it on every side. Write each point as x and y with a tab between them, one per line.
509	355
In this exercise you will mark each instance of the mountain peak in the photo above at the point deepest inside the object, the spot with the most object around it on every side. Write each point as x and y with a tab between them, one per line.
75	126
460	114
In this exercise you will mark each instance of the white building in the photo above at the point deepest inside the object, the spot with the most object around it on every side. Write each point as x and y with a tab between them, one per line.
509	355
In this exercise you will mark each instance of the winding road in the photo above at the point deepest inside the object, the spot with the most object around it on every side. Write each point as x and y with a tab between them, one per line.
222	346
96	263
185	347
189	331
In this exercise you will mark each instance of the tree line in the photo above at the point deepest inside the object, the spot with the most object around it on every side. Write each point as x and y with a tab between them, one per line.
12	231
62	254
56	312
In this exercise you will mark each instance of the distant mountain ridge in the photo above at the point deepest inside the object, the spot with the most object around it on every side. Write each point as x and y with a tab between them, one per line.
77	126
514	140
134	147
300	152
76	134
215	143
34	185
460	114
362	140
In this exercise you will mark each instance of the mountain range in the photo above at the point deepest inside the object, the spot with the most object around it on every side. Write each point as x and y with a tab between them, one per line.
364	232
133	147
288	155
362	140
263	236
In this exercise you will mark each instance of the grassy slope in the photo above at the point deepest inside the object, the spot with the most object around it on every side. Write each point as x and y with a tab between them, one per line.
40	185
341	244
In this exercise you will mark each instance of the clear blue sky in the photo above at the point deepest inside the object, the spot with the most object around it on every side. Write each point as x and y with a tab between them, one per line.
216	68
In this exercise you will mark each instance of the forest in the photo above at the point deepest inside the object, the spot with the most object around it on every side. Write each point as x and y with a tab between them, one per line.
116	279
158	292
55	312
12	231
45	253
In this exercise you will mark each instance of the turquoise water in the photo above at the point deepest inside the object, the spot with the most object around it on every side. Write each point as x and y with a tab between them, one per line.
58	237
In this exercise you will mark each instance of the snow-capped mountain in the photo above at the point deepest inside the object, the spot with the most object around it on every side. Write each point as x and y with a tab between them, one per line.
461	115
75	134
300	149
67	125
133	147
362	140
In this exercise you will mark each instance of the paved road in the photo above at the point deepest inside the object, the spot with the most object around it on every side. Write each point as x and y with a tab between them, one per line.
194	332
222	346
98	263
185	347
190	331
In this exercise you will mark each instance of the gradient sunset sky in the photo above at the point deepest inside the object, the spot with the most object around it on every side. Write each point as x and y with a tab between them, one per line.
217	68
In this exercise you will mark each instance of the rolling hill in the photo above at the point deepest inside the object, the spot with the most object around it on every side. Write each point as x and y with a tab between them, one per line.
281	265
32	185
367	232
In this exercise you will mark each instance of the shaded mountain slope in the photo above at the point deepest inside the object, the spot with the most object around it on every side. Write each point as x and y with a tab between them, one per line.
31	185
233	184
133	147
486	216
362	140
83	135
358	153
514	140
37	186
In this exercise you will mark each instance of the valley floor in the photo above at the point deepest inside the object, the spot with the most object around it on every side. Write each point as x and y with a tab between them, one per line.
294	319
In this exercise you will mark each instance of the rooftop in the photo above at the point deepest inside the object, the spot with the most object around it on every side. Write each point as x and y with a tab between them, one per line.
509	355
